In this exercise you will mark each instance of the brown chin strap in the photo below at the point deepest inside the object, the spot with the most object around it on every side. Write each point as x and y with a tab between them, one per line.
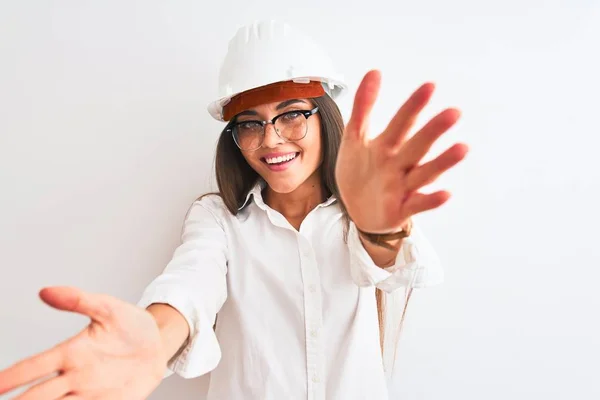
274	92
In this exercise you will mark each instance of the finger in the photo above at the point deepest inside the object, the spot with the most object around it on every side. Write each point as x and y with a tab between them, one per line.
417	146
404	119
430	171
420	202
51	389
71	397
31	369
364	100
75	300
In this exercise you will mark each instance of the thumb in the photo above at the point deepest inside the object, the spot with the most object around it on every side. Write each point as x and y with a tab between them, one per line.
75	300
364	100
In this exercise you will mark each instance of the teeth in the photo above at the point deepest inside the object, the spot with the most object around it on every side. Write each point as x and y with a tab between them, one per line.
280	159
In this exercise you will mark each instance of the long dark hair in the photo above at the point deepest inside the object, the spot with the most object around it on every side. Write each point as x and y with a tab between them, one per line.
235	177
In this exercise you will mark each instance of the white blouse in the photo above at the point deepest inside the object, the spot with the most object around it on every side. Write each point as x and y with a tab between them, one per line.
297	315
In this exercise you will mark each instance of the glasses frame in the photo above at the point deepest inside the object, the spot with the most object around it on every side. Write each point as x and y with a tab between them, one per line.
306	113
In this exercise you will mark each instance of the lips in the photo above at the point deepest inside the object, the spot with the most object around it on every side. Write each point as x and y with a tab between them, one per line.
274	159
279	161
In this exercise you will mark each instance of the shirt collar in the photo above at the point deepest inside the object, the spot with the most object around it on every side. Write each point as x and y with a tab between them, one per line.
256	194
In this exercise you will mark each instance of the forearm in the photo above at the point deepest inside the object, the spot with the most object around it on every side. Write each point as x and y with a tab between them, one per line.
173	327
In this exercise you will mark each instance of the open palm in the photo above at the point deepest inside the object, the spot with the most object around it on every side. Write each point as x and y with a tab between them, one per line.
117	356
379	179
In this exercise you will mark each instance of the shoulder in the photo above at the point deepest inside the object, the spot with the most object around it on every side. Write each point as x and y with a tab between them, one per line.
211	203
205	218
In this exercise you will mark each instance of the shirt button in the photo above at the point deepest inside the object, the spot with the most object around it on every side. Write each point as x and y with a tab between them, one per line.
316	379
312	288
314	333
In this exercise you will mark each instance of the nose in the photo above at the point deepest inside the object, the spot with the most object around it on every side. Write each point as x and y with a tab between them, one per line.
272	139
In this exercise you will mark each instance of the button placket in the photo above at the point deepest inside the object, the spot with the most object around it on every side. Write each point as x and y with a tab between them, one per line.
313	320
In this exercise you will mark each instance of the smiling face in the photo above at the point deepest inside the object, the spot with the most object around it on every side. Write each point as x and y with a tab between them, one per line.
284	165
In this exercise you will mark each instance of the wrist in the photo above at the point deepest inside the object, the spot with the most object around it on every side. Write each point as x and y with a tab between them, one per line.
390	240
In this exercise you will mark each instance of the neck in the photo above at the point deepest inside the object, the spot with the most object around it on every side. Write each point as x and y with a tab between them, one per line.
296	205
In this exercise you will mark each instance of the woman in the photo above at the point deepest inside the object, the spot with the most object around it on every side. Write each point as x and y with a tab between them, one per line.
311	223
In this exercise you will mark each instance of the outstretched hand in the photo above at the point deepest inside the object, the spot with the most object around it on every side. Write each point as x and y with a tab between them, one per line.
380	179
119	355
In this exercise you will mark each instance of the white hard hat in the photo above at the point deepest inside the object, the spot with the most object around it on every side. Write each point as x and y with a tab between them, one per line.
267	52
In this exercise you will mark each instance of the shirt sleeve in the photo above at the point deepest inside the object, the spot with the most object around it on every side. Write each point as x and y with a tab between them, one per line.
416	266
194	283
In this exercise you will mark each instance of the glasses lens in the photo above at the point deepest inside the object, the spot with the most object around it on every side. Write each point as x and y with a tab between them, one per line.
248	135
291	126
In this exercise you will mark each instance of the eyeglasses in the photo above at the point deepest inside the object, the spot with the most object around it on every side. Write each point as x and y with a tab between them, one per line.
291	126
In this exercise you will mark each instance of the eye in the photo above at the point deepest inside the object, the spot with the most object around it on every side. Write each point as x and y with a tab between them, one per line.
249	125
292	115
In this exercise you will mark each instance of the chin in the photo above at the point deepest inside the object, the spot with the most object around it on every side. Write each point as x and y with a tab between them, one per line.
282	186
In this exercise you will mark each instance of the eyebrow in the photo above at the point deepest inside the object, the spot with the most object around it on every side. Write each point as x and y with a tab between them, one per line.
247	112
281	105
288	103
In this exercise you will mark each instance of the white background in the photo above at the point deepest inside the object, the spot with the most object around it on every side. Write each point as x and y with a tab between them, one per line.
105	141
